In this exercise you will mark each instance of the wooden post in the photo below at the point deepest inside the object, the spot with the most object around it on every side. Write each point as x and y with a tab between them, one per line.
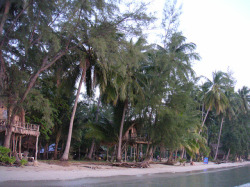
125	153
137	152
20	147
134	153
141	151
13	143
16	139
36	148
107	153
131	152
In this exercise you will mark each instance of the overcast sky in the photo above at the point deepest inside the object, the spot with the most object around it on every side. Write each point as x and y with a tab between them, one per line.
221	31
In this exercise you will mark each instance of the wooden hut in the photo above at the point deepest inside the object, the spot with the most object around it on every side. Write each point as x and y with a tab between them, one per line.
136	140
24	135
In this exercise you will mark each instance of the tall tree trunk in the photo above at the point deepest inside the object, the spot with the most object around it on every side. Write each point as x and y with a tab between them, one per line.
91	149
20	146
8	132
79	152
119	156
137	152
3	74
107	153
176	156
205	119
45	151
36	148
58	137
125	153
141	151
228	153
149	155
182	153
170	158
39	150
33	78
96	120
134	153
218	144
66	151
131	152
113	154
147	150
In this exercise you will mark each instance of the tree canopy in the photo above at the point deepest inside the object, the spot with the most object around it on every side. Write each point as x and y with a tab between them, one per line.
49	50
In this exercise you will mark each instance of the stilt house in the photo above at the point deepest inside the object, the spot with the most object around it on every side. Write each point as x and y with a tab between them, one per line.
24	135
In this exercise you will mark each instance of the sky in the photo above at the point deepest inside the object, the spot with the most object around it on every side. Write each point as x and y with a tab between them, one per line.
221	31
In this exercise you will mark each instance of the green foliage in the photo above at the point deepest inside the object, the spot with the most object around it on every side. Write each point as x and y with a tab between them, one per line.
4	157
182	160
23	162
57	41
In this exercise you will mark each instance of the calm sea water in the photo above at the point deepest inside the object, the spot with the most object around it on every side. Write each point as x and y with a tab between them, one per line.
225	177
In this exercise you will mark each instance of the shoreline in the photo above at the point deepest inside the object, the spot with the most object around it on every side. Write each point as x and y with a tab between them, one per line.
51	172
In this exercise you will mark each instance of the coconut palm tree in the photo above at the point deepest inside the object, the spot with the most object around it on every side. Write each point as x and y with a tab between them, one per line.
215	97
130	86
65	155
244	93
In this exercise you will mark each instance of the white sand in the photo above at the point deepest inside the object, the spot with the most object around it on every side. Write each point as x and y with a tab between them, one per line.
54	172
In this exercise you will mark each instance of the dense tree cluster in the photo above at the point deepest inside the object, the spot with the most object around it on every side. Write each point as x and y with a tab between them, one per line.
49	50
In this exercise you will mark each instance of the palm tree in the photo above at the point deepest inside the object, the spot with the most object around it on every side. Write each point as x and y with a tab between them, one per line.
131	85
244	93
65	155
215	97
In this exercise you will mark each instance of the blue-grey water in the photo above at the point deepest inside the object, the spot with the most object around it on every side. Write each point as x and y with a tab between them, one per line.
226	177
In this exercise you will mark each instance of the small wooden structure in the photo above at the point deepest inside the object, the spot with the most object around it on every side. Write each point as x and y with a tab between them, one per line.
135	140
20	130
221	154
133	137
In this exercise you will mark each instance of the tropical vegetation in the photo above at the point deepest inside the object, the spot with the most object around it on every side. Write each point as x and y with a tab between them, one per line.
50	52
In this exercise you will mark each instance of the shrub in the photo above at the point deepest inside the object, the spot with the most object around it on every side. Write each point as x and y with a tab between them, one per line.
4	157
182	160
23	162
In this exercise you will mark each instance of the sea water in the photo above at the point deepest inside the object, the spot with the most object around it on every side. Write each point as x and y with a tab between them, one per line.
224	177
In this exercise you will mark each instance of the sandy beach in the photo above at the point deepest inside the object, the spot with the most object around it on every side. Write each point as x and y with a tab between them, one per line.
45	171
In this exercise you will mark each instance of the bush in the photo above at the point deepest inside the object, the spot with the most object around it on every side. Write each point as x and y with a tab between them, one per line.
4	157
182	160
23	162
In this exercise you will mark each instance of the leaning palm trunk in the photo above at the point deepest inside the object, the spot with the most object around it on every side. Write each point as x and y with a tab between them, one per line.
119	156
205	119
228	153
149	154
66	151
91	149
217	148
182	153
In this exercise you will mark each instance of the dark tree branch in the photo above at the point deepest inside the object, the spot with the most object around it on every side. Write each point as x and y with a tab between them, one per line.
6	11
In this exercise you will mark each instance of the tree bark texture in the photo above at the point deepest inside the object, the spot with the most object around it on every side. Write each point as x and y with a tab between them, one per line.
205	119
31	83
228	153
66	151
96	120
58	137
218	144
119	156
182	153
